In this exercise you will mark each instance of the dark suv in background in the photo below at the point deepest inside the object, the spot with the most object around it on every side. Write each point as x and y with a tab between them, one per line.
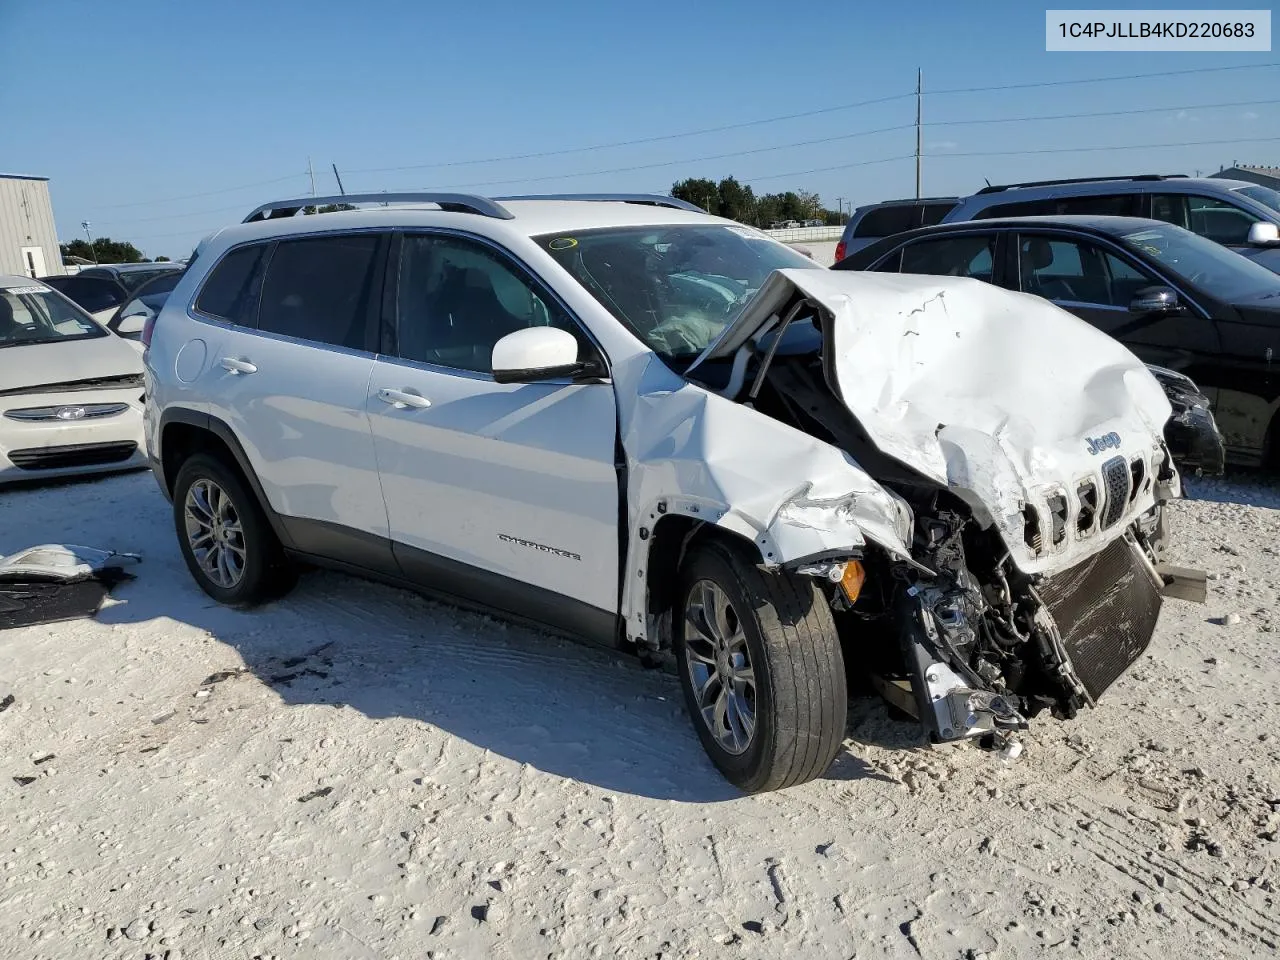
1234	213
878	220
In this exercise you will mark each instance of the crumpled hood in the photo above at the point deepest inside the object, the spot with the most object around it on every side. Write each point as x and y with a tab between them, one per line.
1002	396
37	364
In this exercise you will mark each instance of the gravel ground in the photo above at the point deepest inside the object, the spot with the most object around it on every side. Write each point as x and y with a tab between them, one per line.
357	772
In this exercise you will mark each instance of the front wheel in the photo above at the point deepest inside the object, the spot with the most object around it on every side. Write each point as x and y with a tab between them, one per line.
761	668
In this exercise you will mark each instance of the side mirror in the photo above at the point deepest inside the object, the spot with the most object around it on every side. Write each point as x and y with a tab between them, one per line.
535	353
1262	234
131	325
1154	300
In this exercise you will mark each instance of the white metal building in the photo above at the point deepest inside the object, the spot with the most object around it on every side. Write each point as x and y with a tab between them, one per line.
28	237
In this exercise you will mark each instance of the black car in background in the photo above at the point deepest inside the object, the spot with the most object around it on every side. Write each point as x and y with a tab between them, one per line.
1177	300
129	320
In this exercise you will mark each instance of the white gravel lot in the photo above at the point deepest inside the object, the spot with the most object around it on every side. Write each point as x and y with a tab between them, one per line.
357	772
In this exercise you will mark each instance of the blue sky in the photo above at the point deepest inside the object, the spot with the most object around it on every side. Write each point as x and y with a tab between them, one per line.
132	107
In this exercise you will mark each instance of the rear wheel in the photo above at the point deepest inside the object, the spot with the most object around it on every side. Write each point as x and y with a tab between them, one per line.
761	668
224	536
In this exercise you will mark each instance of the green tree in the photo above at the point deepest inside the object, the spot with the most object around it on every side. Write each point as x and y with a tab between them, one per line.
162	259
104	250
736	201
701	192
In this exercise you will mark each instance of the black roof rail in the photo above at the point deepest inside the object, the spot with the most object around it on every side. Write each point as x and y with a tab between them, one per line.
882	203
1053	183
453	202
652	199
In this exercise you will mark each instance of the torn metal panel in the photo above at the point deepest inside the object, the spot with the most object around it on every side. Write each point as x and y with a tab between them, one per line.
1006	399
695	454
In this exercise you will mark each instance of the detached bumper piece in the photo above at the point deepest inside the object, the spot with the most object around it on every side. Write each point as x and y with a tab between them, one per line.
1106	610
55	582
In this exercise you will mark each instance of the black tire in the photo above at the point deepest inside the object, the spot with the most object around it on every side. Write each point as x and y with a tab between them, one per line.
266	572
800	700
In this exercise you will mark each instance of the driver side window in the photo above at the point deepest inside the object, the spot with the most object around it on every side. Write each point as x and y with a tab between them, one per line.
1075	271
456	298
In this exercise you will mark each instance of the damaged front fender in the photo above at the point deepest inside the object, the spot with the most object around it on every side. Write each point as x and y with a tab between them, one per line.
694	454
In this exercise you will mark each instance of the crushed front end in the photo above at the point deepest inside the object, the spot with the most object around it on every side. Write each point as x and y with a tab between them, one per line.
985	647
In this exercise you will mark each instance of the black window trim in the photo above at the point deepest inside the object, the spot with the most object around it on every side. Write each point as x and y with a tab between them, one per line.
390	337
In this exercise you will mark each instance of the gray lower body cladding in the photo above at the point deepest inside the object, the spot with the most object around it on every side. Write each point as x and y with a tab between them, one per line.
1106	610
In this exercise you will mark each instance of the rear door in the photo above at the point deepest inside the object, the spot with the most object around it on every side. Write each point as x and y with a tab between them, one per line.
507	493
1098	284
290	375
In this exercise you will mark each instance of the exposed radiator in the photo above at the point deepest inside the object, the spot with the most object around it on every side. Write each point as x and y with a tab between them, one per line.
1106	610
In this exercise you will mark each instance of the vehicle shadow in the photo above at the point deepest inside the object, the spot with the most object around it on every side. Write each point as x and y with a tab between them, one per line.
561	706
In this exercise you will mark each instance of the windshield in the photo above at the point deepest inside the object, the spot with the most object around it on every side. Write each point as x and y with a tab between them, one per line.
35	314
675	287
1264	195
1220	272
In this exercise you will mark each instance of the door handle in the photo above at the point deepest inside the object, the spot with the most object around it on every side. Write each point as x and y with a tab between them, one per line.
233	365
403	398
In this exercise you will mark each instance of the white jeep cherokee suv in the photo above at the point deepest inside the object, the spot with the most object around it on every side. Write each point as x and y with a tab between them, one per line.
627	420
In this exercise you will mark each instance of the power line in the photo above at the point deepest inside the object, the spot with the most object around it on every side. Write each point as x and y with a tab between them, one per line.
207	193
807	113
179	216
881	160
1104	113
638	142
1127	146
1131	76
718	129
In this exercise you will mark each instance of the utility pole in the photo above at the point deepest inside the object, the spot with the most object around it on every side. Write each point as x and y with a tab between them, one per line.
89	234
919	91
840	209
337	177
312	174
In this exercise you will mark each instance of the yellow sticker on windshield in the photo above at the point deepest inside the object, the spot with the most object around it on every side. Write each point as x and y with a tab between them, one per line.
563	243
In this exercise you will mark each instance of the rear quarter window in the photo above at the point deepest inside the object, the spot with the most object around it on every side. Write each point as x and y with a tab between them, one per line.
230	292
885	221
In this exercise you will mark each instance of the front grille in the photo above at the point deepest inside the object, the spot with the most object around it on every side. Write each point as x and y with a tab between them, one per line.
122	382
1115	477
68	412
1106	610
72	455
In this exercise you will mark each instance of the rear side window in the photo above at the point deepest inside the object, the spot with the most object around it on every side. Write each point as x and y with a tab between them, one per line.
888	220
885	221
1097	205
321	289
230	292
933	213
1026	208
971	255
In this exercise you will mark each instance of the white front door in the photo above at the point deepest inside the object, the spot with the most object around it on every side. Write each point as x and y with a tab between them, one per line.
514	481
33	261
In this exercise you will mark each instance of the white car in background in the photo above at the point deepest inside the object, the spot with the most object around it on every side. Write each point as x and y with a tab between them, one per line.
70	392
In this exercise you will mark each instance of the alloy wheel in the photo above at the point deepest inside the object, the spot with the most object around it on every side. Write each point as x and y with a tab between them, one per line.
214	533
718	661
